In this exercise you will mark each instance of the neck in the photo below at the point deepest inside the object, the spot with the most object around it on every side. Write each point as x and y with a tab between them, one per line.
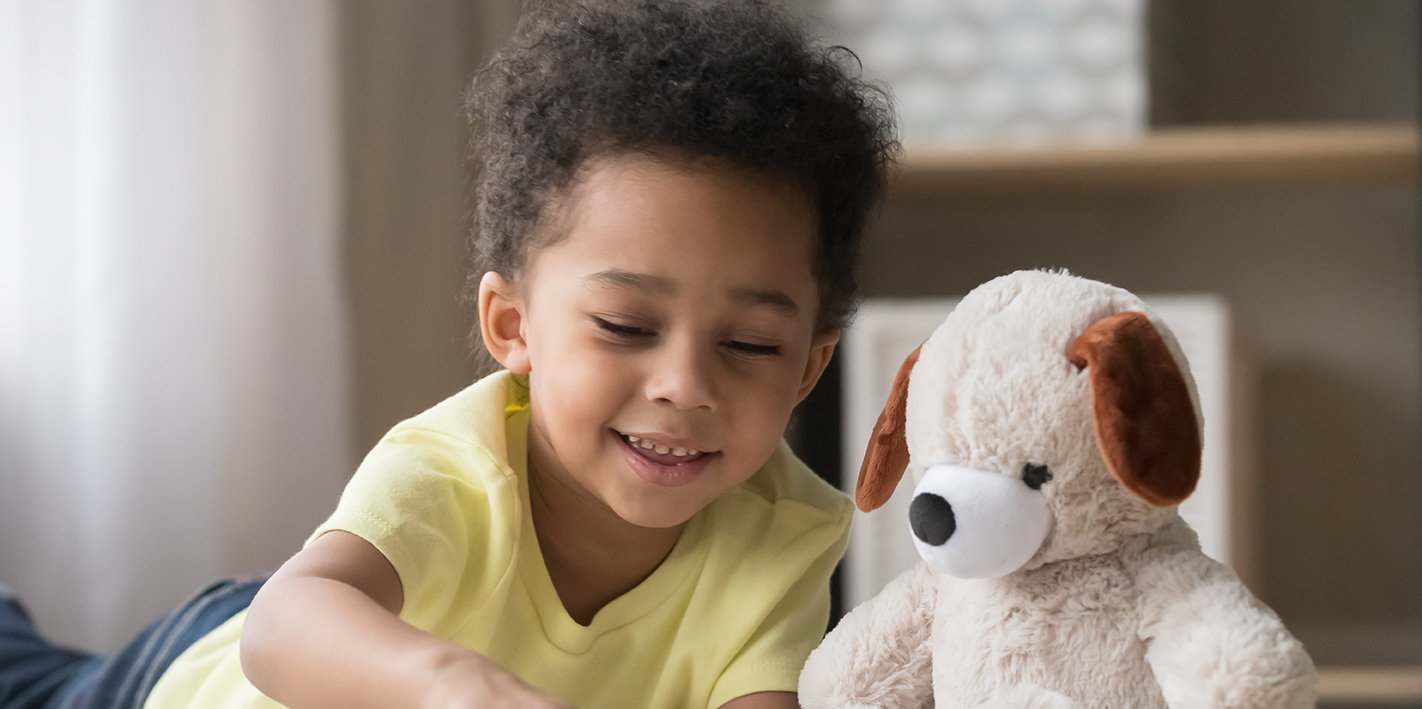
592	555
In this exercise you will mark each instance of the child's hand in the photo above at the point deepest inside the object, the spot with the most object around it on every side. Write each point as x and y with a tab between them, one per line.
472	681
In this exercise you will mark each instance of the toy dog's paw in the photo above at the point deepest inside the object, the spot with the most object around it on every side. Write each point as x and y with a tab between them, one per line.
1028	697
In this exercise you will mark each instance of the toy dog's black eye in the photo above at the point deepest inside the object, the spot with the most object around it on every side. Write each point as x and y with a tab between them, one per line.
1035	475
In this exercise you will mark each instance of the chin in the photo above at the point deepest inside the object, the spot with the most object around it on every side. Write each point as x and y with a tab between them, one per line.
654	515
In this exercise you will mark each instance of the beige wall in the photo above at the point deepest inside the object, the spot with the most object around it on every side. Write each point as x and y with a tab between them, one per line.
405	68
1269	60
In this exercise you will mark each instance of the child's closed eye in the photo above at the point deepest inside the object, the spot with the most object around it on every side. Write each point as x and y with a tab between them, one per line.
749	348
634	334
624	332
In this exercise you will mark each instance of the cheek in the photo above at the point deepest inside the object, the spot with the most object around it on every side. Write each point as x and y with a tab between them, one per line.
579	387
769	401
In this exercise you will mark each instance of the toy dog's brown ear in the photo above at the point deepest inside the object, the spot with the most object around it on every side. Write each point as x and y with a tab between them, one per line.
1145	422
888	454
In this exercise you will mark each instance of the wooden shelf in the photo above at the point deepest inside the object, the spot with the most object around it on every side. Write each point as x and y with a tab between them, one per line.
1177	158
1370	684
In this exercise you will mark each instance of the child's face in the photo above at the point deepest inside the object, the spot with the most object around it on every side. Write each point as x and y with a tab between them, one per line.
677	310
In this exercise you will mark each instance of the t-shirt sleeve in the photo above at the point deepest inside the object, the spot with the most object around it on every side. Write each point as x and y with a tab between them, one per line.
436	509
771	659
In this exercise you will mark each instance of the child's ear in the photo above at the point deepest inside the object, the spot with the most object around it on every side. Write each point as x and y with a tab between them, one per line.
501	319
821	350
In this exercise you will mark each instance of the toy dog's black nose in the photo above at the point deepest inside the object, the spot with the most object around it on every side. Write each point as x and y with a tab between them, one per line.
931	518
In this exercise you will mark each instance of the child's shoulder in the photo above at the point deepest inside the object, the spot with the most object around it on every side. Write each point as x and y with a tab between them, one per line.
476	415
776	538
785	485
467	441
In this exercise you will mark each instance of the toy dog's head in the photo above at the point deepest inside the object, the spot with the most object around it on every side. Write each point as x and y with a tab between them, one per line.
1047	418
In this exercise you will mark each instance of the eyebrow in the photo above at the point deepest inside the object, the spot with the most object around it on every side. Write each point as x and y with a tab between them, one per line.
770	298
617	278
657	285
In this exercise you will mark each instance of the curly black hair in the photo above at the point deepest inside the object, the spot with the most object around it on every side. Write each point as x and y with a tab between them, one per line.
737	82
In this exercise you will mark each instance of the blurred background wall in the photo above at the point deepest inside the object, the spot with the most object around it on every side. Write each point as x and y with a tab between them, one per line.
314	183
174	365
405	69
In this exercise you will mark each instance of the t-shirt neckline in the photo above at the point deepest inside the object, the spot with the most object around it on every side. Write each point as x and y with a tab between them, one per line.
675	571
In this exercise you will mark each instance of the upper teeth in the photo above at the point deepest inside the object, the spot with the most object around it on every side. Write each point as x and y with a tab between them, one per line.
649	445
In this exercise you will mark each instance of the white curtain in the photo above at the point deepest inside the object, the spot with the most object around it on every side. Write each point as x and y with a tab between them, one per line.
173	374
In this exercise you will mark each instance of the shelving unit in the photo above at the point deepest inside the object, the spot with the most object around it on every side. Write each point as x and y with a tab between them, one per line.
1177	158
1387	685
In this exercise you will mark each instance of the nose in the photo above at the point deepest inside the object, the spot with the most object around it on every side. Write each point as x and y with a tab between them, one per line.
682	377
932	519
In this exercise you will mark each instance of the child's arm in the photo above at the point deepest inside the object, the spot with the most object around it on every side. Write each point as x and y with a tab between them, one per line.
764	700
324	632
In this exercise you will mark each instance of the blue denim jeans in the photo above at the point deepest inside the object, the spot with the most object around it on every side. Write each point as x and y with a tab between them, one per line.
37	674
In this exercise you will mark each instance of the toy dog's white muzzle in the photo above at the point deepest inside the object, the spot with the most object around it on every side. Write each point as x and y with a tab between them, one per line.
974	524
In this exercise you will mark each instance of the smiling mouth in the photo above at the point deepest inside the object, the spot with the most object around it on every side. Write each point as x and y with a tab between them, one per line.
659	453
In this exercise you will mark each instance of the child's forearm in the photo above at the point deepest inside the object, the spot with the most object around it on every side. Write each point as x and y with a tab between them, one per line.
312	642
325	632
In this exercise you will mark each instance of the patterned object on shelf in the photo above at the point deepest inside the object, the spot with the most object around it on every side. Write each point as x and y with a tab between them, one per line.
979	72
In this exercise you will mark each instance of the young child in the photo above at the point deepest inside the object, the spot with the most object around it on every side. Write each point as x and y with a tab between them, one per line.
670	206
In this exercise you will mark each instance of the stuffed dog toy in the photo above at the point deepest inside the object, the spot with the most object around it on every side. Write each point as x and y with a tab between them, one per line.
1052	426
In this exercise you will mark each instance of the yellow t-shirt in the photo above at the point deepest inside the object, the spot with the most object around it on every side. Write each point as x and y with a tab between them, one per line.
735	608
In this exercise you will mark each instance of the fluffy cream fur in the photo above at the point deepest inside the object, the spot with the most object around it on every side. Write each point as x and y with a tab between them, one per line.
1118	607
